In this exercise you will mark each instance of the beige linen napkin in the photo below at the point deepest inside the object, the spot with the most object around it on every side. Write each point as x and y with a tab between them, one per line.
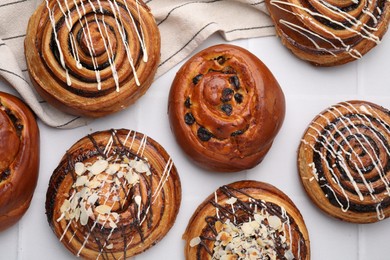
183	25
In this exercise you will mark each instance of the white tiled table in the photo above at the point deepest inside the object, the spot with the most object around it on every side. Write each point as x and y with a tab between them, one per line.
308	91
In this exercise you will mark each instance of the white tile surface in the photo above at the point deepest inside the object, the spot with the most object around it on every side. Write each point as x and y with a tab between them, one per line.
308	91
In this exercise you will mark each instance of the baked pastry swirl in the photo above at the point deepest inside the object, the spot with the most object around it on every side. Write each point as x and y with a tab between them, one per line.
19	159
247	220
344	161
114	194
92	57
330	32
225	108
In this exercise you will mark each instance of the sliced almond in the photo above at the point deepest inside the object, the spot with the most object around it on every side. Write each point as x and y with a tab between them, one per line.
103	209
195	241
110	246
113	168
83	218
65	206
81	181
274	222
231	201
79	168
93	198
98	167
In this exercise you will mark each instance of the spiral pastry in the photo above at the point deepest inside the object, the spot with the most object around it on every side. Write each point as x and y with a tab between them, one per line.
330	32
344	161
225	108
114	194
92	57
247	220
19	159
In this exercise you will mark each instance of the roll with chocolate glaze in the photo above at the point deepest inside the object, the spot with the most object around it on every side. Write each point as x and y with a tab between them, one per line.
114	194
19	159
330	32
92	57
247	220
225	108
344	161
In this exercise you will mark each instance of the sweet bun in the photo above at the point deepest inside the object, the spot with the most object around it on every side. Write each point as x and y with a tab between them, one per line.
344	161
19	159
225	108
114	194
247	220
92	58
329	33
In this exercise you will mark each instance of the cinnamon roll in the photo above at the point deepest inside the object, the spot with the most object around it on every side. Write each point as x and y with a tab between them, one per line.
344	161
19	159
330	32
225	108
113	195
247	220
92	57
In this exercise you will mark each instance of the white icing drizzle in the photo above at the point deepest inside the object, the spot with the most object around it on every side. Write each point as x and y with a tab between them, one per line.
308	33
360	114
115	8
216	202
163	179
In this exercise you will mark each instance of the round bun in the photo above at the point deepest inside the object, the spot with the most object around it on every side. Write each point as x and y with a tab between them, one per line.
225	108
329	33
114	194
92	58
344	161
19	159
247	220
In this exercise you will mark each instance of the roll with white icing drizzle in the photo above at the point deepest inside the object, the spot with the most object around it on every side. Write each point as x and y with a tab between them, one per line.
330	32
114	194
92	57
344	161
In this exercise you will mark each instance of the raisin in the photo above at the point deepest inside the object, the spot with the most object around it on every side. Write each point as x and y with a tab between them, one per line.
187	103
189	119
227	108
221	60
196	79
204	134
238	97
227	94
238	132
235	82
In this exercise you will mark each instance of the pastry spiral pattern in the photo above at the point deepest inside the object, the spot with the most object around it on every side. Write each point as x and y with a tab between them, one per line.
92	57
225	108
19	159
344	161
330	32
114	194
247	220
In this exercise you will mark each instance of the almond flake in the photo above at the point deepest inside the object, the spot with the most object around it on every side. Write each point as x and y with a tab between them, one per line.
141	166
103	209
137	200
247	229
83	218
113	168
79	168
274	222
94	184
98	167
65	206
195	241
93	198
110	246
112	224
231	201
81	181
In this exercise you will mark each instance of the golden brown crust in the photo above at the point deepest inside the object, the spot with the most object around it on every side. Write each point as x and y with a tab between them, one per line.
329	33
19	164
114	194
344	161
93	70
225	108
250	208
